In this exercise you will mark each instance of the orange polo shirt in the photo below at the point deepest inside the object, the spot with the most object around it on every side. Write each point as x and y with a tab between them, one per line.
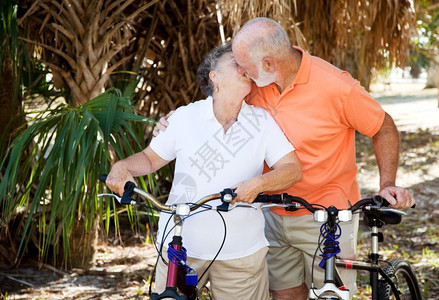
319	113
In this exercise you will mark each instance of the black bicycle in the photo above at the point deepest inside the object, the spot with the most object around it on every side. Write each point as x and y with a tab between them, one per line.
392	279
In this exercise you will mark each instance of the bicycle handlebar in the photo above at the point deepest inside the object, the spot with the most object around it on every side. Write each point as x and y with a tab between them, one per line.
130	188
376	206
290	203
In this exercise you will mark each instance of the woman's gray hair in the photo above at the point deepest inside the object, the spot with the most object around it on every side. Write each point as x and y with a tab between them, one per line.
210	63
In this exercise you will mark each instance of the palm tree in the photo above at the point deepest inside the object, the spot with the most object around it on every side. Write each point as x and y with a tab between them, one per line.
79	40
57	198
164	41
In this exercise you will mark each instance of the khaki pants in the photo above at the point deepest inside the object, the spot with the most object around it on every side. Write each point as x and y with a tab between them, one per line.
242	278
293	242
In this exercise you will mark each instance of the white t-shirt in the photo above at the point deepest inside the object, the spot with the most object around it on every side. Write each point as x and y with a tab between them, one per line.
209	160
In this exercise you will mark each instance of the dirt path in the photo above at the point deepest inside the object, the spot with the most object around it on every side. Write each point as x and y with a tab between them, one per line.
121	272
411	106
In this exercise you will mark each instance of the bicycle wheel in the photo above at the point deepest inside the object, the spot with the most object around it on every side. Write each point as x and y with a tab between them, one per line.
402	275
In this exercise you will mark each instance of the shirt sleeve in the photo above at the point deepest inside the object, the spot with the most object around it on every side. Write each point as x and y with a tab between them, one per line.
165	144
277	145
362	112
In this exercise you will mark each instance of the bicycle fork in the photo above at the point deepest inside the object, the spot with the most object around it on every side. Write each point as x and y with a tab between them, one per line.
329	289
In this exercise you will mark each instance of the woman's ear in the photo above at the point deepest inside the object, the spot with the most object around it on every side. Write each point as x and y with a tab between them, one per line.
212	77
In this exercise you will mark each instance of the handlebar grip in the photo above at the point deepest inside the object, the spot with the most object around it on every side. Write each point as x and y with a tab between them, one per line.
103	178
286	199
128	192
378	199
264	198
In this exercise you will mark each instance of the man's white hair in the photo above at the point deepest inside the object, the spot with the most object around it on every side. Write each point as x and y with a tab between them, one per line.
265	37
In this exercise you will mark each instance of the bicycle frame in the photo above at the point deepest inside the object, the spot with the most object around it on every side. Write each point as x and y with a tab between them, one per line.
332	283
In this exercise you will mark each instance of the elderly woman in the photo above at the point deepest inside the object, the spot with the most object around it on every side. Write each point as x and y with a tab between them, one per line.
219	142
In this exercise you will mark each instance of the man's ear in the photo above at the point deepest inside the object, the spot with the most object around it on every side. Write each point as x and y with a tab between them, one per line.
269	64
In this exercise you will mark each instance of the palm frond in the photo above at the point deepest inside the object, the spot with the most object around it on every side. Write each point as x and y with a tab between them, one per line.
57	184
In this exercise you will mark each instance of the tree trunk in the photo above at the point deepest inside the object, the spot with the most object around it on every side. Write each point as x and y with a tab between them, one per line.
83	243
352	64
433	76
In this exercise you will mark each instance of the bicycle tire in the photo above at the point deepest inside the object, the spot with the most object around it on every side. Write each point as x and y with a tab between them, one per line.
402	275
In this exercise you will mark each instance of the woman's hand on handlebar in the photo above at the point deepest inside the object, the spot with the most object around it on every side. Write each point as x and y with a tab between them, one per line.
398	197
117	178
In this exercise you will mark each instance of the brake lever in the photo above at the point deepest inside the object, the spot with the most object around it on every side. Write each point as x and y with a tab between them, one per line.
128	192
397	211
110	195
119	199
242	204
287	206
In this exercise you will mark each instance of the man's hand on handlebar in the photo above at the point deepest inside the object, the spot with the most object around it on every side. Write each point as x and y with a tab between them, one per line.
398	197
162	124
246	191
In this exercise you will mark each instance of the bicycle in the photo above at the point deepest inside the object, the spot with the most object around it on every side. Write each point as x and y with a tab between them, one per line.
395	279
181	278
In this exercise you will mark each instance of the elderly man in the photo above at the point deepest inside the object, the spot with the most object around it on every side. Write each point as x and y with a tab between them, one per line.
319	107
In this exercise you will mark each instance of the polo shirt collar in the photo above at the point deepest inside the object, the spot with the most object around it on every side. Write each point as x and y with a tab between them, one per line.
305	68
245	109
206	109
